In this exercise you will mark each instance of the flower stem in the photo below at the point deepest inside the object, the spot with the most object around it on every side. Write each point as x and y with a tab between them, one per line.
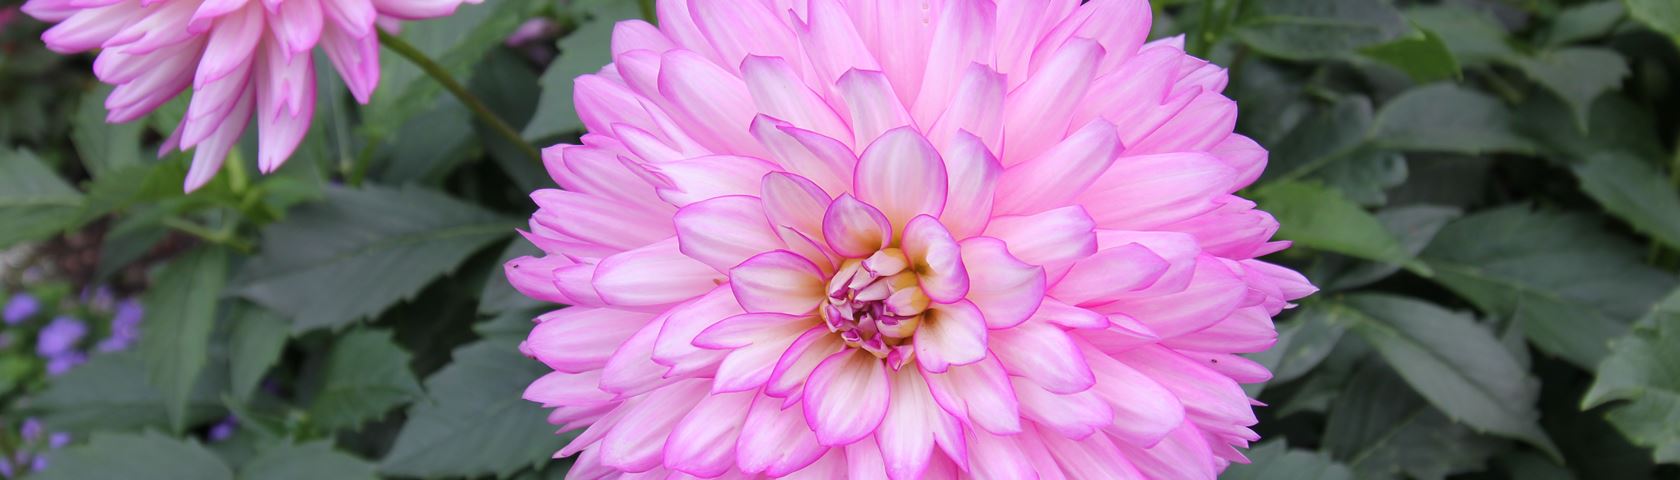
414	55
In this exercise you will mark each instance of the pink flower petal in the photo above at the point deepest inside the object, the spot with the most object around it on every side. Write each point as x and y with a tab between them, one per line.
1046	238
724	231
796	364
657	274
951	334
937	259
1043	353
846	397
979	393
912	424
776	441
1005	289
973	173
901	174
778	282
1058	175
778	92
703	443
873	105
581	339
855	229
1105	276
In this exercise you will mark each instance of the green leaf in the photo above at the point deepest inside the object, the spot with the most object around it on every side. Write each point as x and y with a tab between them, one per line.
498	295
429	145
1322	219
180	314
1333	134
474	422
1584	22
1642	374
1617	124
34	202
258	336
1448	118
365	376
456	42
104	147
110	392
583	51
1318	29
1473	38
1303	342
1414	226
1384	430
310	460
361	251
148	456
1660	15
1274	460
1457	365
1577	75
1572	285
1421	54
1636	192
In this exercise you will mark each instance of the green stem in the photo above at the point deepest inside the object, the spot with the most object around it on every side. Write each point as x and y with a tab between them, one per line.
219	238
414	55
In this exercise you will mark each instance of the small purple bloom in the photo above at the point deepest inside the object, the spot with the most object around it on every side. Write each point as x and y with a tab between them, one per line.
31	430
60	336
224	429
58	440
63	362
39	464
20	307
6	467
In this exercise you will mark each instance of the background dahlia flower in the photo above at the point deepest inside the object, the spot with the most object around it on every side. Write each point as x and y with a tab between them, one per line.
240	57
872	239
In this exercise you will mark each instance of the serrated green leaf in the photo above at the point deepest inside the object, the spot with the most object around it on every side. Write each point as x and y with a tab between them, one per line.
474	422
1320	218
1421	54
1570	284
360	251
1383	429
1448	118
1661	15
582	52
34	201
110	392
365	376
310	460
148	456
1643	373
180	314
1458	366
258	336
1636	192
1274	460
1318	29
1577	75
1328	137
1473	38
1583	22
456	42
104	147
1414	226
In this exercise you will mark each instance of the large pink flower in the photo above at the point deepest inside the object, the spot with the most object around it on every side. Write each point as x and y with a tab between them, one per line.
902	238
240	57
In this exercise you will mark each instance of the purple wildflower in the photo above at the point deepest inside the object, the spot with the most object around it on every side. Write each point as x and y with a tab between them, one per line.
60	336
21	307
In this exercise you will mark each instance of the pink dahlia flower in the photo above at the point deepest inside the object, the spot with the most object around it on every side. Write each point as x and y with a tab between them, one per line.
240	57
881	238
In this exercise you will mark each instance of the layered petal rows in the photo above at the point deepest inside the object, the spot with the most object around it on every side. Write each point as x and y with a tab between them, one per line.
890	239
241	58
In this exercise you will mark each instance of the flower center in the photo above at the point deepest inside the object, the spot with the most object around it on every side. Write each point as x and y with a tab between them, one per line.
875	304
